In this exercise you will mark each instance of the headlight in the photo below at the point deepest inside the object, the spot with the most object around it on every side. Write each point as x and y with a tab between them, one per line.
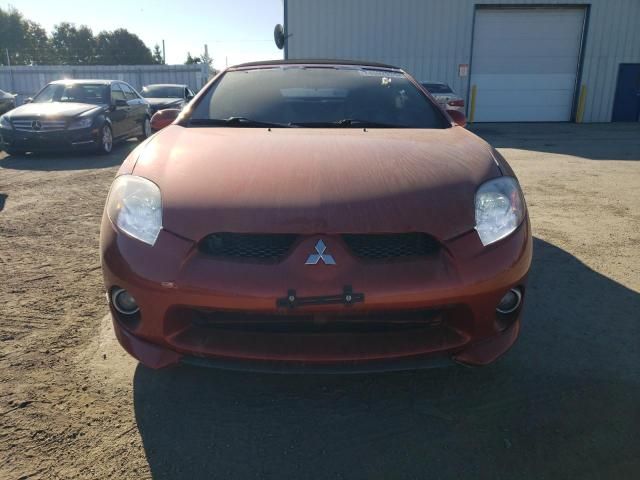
81	123
499	209
134	206
4	122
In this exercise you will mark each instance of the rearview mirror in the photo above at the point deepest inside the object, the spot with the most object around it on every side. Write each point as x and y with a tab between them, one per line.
164	118
458	118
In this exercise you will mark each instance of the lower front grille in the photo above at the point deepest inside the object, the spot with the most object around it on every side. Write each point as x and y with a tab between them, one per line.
344	335
391	246
347	322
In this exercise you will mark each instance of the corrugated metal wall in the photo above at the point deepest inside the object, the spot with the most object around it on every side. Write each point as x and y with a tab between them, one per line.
430	38
26	81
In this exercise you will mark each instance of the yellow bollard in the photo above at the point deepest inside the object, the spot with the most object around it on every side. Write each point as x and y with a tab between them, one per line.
581	102
472	110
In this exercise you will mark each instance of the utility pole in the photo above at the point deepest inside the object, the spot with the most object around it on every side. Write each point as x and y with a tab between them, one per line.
164	57
207	60
13	87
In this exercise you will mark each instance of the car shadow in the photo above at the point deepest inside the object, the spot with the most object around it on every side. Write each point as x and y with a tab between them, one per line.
3	200
562	404
595	141
69	160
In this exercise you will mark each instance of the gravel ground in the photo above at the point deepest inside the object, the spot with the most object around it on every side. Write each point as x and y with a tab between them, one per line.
564	403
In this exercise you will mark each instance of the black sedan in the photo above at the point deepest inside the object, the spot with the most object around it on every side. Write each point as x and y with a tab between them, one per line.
166	95
76	114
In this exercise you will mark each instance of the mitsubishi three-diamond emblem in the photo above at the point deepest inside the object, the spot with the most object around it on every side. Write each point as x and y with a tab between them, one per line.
314	258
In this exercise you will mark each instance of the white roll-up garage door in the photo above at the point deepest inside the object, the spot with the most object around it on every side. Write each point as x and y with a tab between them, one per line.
525	63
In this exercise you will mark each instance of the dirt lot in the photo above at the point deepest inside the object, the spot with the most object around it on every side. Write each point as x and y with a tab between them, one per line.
564	403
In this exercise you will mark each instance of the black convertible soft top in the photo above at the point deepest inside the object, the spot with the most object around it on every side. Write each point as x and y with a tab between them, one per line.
316	61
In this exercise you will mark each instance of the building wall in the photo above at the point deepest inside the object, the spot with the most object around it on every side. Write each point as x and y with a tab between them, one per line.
430	38
26	81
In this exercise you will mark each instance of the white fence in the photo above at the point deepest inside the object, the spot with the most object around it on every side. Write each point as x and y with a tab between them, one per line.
26	81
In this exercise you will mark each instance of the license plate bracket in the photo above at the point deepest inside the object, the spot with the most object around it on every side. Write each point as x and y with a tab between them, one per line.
348	297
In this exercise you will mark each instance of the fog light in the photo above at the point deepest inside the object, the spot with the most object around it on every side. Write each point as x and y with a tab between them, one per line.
124	302
510	302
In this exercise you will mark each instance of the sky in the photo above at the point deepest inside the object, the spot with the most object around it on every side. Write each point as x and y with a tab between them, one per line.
236	31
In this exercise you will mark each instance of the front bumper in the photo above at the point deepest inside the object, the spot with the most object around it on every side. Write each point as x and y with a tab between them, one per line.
59	140
155	356
456	291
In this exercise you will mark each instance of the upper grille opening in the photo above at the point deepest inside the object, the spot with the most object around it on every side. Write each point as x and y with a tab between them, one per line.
391	246
267	247
275	247
39	125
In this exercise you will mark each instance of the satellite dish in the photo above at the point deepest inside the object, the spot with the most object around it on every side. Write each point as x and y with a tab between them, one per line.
279	36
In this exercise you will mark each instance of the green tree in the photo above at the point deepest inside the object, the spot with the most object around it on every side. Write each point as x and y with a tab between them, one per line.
28	43
157	55
73	46
12	35
121	47
192	60
37	48
206	58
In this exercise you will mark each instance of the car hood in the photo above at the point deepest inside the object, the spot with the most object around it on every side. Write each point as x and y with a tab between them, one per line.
310	181
55	110
163	101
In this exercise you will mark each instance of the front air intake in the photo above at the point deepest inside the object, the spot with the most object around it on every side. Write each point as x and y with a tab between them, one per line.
391	246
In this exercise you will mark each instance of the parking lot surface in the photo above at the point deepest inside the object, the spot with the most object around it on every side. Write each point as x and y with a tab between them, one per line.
564	403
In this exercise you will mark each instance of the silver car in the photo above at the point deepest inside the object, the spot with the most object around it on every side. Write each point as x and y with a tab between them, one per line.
445	96
7	102
162	96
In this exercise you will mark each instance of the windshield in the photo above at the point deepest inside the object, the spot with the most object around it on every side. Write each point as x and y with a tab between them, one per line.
74	92
162	91
437	88
317	97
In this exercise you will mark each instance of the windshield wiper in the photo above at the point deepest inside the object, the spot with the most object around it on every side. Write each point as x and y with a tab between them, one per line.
237	122
348	122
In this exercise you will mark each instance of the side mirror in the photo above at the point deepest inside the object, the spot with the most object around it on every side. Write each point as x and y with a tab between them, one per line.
458	118
28	100
121	103
164	118
189	98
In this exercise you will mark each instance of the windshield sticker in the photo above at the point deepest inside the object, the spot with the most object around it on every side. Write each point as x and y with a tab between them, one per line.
301	92
380	73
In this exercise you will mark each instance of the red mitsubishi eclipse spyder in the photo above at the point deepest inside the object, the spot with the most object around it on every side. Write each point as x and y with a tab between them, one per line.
315	216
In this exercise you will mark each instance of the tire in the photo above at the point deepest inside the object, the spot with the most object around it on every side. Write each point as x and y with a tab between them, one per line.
146	129
105	140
